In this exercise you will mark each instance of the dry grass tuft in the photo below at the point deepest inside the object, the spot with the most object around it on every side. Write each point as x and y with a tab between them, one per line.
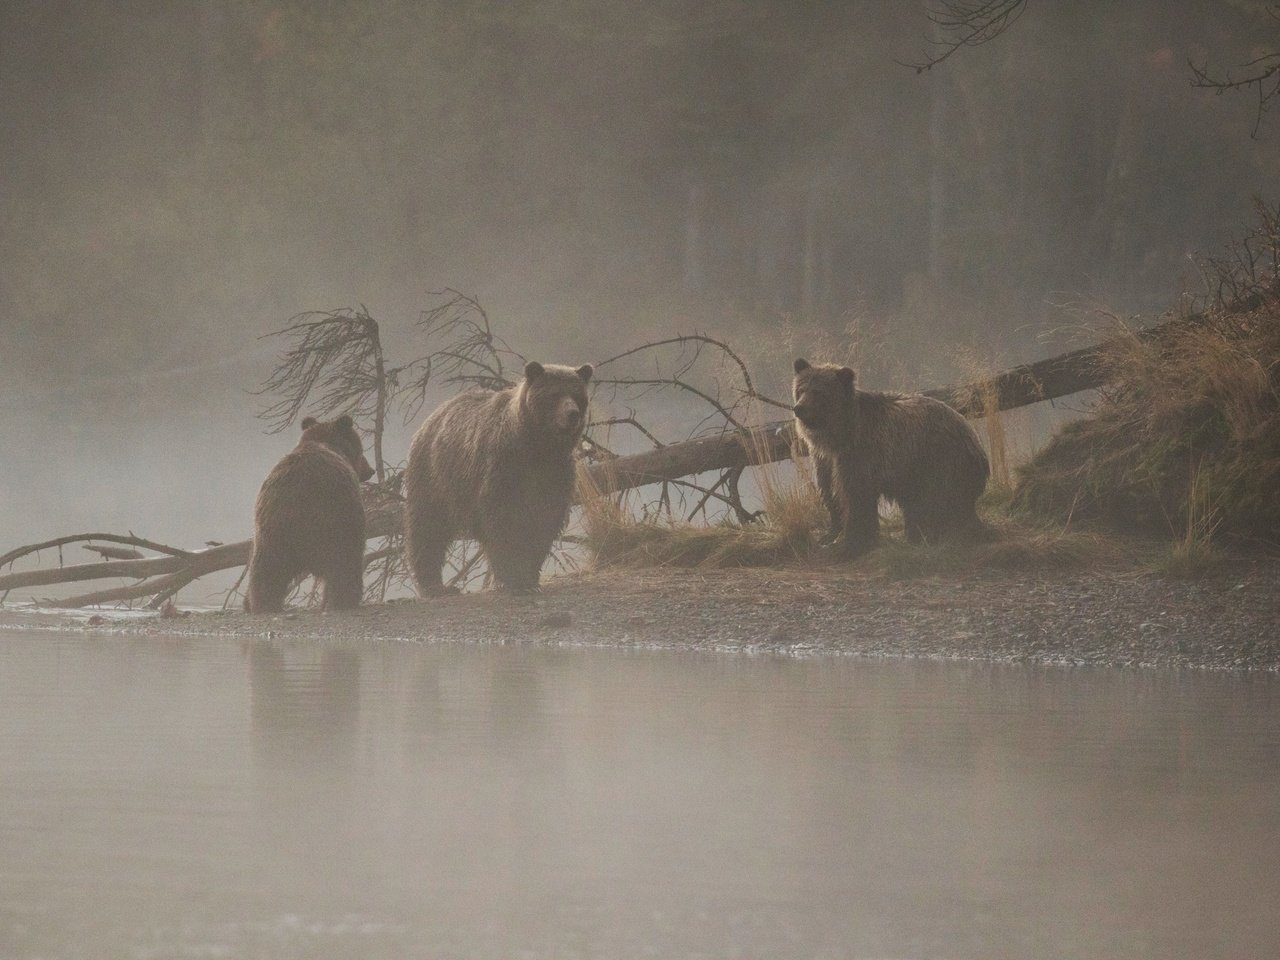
979	392
1195	554
617	535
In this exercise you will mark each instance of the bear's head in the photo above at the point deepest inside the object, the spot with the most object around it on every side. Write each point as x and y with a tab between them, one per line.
553	400
823	397
339	435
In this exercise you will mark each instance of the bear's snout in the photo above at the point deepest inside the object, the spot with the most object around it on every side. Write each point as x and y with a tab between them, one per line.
364	471
804	412
568	416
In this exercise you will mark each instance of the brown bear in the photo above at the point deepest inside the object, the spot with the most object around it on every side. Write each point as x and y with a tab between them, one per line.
497	466
912	450
309	518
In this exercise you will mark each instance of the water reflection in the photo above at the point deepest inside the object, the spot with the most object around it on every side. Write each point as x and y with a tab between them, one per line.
335	801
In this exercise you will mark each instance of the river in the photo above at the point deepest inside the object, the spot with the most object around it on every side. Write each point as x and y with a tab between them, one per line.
194	797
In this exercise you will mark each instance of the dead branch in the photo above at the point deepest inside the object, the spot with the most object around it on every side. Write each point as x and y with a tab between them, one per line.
630	421
473	355
114	553
966	23
699	339
335	365
1262	75
129	539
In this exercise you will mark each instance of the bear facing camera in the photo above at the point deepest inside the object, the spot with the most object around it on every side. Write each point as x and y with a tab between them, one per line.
910	449
309	519
496	466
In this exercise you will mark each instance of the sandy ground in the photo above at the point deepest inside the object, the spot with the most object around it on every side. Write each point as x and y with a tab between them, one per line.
1228	621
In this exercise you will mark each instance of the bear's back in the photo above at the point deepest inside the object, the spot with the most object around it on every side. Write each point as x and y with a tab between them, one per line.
313	489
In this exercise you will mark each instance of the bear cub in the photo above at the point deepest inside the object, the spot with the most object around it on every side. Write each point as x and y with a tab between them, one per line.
497	466
309	518
911	449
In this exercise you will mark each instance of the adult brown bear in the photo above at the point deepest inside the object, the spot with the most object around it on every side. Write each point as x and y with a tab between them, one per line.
497	466
309	519
910	449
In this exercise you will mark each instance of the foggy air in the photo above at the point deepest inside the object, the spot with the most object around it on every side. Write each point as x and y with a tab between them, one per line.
599	479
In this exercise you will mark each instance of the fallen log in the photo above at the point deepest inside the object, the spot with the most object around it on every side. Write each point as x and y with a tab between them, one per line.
1019	386
161	577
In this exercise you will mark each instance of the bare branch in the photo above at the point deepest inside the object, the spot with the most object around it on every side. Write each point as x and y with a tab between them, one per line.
966	23
630	421
699	339
18	552
335	365
473	354
1261	74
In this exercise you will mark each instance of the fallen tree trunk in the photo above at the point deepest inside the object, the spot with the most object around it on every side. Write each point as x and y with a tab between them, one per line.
161	577
1019	386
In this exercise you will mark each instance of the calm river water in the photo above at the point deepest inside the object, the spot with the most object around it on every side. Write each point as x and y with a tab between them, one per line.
219	799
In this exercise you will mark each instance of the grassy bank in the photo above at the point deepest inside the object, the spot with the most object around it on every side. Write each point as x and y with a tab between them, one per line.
1185	442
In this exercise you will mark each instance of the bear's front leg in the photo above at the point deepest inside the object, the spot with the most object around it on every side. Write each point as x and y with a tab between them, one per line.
516	551
826	489
514	568
862	525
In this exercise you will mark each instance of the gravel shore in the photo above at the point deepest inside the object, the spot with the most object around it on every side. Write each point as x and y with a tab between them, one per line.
1228	621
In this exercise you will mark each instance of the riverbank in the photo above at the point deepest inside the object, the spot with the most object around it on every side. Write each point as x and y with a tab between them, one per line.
1122	617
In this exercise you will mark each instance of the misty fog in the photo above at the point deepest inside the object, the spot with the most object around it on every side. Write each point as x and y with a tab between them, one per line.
180	178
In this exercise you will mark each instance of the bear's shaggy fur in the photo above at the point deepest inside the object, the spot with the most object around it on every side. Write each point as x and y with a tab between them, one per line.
913	450
499	467
309	519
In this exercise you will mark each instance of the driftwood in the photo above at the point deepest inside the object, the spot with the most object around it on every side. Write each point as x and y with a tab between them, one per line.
163	576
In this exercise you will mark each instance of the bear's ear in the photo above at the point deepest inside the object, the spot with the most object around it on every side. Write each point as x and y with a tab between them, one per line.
847	376
800	365
585	371
344	422
308	423
533	370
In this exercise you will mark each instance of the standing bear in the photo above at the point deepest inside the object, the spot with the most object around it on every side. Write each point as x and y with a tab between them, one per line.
309	518
912	450
499	467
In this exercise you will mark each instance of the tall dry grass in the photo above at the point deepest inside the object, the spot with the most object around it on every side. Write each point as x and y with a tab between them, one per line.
1190	419
621	530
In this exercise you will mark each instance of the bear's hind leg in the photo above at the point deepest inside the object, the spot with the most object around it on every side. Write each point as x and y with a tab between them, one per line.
427	537
344	581
269	580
